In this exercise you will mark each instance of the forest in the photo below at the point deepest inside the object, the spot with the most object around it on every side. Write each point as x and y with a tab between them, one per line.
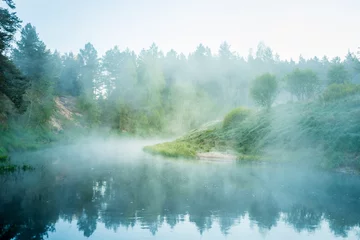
151	93
106	141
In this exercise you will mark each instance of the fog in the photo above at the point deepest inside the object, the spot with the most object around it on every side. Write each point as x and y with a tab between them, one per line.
188	138
113	185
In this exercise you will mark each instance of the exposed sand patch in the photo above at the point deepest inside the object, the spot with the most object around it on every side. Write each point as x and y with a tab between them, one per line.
216	155
62	109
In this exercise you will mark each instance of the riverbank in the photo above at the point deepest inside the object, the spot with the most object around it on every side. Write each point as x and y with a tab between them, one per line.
324	133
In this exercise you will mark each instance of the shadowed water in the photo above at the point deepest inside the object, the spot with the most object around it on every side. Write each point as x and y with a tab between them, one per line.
112	190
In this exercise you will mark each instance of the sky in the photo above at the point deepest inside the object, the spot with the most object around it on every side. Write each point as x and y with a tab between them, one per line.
290	27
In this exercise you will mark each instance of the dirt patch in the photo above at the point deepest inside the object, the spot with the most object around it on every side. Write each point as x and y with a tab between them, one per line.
55	123
216	155
60	107
65	106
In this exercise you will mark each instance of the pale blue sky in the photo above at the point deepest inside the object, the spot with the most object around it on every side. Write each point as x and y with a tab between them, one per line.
291	28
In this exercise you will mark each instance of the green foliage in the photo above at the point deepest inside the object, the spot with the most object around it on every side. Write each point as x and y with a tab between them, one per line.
68	82
152	93
10	23
151	81
31	55
34	61
180	111
329	133
264	90
205	138
337	74
247	137
3	154
90	109
200	140
119	74
173	149
338	91
12	83
302	83
10	3
155	119
235	117
41	104
18	137
89	71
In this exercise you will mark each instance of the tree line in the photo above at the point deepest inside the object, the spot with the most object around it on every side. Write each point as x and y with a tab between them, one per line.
304	84
152	91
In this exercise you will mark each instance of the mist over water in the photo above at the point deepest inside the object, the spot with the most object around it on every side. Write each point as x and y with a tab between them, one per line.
111	189
82	125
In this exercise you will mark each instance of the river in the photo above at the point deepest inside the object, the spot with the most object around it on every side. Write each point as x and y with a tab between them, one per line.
112	190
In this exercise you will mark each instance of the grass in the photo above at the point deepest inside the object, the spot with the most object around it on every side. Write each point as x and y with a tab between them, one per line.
235	116
244	157
326	133
204	139
176	149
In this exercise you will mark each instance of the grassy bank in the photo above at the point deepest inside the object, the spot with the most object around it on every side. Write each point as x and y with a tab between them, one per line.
324	132
203	139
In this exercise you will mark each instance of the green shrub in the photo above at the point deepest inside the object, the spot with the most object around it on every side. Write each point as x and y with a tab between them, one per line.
264	90
90	108
302	83
337	91
249	136
235	116
3	154
337	74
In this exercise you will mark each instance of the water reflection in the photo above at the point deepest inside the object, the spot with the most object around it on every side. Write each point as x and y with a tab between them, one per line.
129	191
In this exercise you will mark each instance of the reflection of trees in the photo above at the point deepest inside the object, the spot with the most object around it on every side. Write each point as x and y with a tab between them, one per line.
302	218
125	194
264	211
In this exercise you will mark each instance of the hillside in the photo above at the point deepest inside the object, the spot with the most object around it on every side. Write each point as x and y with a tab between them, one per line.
17	134
326	133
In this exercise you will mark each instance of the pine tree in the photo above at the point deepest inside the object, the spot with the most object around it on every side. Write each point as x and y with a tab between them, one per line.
33	60
12	84
89	71
69	77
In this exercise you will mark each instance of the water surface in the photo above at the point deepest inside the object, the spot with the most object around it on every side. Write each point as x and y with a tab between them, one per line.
112	190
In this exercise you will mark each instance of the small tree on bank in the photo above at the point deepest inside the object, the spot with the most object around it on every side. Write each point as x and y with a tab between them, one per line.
264	90
302	83
337	74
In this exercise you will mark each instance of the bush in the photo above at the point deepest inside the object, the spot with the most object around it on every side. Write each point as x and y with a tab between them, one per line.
337	74
302	83
235	116
264	90
336	91
249	136
3	154
90	108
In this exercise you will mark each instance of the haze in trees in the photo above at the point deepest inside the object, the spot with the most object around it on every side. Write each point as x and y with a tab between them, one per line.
302	83
101	137
264	90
